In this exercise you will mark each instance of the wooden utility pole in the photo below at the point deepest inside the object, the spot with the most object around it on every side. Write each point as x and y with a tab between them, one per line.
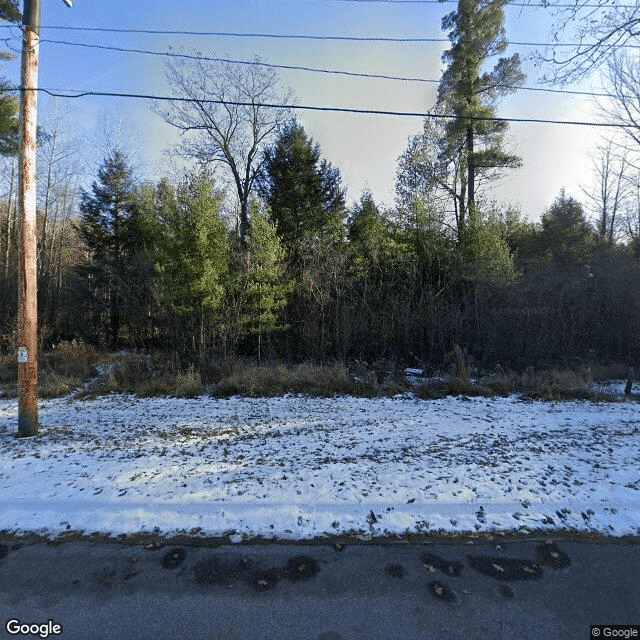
28	272
28	269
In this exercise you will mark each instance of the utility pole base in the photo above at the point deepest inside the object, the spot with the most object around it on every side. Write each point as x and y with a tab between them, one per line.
28	403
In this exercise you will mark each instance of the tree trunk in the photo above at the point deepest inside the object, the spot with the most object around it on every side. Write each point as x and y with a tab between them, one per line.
114	319
244	221
10	221
201	345
630	377
470	173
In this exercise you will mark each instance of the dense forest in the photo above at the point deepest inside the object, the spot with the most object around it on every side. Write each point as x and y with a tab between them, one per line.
263	258
158	267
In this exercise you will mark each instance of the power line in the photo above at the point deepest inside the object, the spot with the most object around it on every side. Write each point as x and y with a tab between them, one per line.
64	93
530	5
233	34
258	63
297	36
377	76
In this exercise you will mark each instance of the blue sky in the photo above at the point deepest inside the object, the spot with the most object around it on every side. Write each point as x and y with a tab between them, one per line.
365	148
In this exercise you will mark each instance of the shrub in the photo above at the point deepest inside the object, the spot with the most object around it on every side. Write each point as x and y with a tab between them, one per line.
455	386
60	371
53	385
73	359
188	384
246	378
153	387
8	368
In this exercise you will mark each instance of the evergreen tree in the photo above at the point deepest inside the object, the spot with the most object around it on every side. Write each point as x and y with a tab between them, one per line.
427	178
191	259
261	280
110	229
303	192
370	242
486	255
9	123
9	11
476	31
566	236
191	253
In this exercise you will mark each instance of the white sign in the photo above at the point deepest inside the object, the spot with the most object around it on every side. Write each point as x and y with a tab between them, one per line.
23	355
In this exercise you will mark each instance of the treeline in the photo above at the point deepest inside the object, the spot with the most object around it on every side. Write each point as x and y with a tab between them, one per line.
159	267
295	274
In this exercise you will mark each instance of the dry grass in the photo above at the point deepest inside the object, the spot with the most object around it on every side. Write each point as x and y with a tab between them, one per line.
73	359
54	385
61	371
239	377
147	375
550	384
70	366
188	384
608	371
8	375
146	389
132	372
454	386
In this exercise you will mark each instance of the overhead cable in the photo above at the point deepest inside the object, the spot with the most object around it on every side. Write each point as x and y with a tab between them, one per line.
297	36
260	63
74	94
530	5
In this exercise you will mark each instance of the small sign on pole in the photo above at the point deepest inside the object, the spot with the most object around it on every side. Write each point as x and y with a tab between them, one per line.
23	355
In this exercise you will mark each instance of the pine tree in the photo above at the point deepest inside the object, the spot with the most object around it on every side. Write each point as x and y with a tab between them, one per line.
9	11
303	193
191	253
370	242
111	233
486	255
566	235
474	137
9	123
192	257
262	280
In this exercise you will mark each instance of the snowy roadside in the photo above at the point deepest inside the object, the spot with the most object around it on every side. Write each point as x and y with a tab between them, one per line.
299	467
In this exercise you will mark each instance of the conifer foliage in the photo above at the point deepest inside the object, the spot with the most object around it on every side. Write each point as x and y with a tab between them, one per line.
261	280
476	31
162	267
566	236
111	230
189	247
304	193
191	255
9	11
9	123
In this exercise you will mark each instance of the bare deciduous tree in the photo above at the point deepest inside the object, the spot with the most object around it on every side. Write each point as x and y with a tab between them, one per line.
10	170
596	28
610	191
632	217
58	153
622	79
225	117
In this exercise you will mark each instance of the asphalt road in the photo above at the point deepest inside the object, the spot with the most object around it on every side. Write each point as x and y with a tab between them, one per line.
520	589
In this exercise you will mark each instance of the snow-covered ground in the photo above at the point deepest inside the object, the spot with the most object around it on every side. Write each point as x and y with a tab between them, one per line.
298	467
